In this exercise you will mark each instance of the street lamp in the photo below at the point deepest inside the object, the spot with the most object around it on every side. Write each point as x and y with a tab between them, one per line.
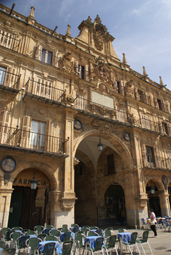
33	182
100	145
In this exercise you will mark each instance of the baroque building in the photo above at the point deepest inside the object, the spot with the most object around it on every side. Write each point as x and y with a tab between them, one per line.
93	133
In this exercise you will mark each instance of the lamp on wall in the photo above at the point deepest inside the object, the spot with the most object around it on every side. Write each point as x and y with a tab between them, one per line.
152	190
33	182
100	145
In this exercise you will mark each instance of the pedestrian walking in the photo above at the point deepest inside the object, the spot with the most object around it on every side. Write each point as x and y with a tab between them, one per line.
153	221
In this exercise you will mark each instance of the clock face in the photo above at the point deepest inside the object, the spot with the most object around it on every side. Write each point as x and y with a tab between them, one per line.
77	124
8	164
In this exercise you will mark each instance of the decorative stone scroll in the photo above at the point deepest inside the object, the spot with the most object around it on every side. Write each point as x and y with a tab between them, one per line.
67	203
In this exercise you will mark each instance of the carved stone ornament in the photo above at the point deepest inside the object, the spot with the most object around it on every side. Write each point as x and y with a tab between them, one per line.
101	71
129	89
106	128
66	64
131	119
165	181
67	203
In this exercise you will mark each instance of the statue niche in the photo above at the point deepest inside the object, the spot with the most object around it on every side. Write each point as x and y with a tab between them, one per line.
129	89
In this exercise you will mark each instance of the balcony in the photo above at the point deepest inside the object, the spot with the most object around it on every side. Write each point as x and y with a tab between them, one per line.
45	90
9	79
160	163
9	41
28	141
150	125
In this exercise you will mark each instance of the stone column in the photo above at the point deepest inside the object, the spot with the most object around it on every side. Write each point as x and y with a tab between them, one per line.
164	203
5	200
68	198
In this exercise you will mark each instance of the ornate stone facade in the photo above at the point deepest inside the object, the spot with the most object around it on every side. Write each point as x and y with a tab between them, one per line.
94	133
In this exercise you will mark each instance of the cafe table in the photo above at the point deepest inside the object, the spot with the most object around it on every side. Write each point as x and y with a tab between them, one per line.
123	236
91	240
57	246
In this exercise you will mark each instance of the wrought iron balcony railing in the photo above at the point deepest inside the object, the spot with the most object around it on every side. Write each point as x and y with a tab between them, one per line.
150	125
9	79
15	137
159	162
45	89
9	41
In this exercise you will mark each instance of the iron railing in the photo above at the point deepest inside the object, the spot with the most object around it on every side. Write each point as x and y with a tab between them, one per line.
159	162
150	125
30	140
9	79
45	89
9	41
84	104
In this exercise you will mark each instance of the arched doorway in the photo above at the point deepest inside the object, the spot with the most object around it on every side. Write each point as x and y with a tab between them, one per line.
29	206
114	212
154	201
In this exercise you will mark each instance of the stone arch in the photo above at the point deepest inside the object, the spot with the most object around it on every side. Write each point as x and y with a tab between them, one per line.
121	147
158	183
44	168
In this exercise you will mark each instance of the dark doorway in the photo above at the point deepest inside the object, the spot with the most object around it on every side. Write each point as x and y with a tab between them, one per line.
22	209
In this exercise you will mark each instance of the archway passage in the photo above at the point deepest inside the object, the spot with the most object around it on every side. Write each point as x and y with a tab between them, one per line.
114	212
29	207
154	201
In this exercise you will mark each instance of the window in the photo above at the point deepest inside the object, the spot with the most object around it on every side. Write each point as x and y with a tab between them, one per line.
159	104
150	154
118	86
110	164
141	95
37	137
46	57
165	128
2	75
81	71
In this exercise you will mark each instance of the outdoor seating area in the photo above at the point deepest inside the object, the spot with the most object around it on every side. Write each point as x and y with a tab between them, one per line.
162	223
67	241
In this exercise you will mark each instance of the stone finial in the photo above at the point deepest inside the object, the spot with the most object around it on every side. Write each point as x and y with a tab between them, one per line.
32	12
144	72
124	59
160	79
68	32
89	19
97	19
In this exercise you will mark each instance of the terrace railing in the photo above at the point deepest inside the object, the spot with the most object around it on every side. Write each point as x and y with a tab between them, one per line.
45	89
9	79
150	125
15	137
9	41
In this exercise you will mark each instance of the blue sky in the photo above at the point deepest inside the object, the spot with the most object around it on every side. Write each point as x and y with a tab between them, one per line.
142	28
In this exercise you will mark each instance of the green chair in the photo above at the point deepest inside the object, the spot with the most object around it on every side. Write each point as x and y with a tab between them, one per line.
42	236
99	232
66	236
144	240
132	242
110	244
48	249
93	227
121	230
64	227
21	243
74	225
109	228
49	226
3	244
92	233
67	248
79	240
54	232
13	237
51	238
98	246
17	228
4	232
84	230
30	232
32	244
38	229
107	233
